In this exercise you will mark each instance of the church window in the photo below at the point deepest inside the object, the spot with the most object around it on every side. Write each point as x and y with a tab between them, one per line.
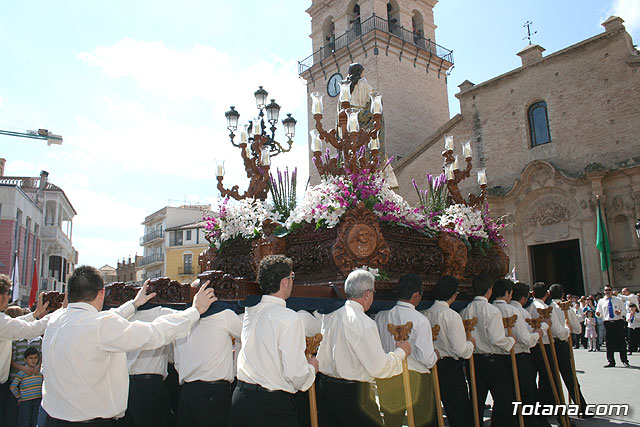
539	124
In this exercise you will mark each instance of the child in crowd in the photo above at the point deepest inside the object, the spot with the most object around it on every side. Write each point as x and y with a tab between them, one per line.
27	388
590	333
633	322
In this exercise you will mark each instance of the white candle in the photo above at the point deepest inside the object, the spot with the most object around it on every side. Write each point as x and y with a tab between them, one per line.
316	142
316	103
374	144
339	132
376	103
466	150
220	169
266	157
482	176
353	125
448	142
448	170
345	91
455	163
257	129
243	136
247	151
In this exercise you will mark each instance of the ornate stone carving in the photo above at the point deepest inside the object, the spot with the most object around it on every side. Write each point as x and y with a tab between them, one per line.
548	210
454	253
360	241
618	203
541	176
625	265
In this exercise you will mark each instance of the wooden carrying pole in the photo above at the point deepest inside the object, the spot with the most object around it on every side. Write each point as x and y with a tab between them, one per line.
436	381
556	383
564	306
401	333
312	348
509	323
469	325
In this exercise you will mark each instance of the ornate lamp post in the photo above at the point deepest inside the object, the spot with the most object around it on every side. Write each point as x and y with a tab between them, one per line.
348	138
638	228
257	145
455	175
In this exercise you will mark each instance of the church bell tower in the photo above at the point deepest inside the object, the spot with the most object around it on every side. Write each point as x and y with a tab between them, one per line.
395	42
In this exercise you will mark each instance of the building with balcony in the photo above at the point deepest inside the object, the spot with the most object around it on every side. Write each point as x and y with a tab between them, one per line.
155	240
127	271
36	227
186	242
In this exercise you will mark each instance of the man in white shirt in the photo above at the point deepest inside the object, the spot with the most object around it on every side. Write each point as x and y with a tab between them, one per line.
453	347
491	342
149	402
272	365
351	356
556	292
633	323
628	298
526	370
612	311
421	360
204	361
84	362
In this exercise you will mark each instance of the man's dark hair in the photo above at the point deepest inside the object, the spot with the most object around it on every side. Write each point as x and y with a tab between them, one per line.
556	291
501	287
272	269
481	284
408	285
84	284
520	290
446	287
5	284
31	351
540	290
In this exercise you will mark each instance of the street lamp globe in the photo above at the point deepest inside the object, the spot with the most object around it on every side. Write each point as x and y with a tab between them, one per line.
261	97
289	126
232	119
273	110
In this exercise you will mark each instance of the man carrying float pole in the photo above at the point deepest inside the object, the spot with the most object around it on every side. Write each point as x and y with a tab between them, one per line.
421	360
351	356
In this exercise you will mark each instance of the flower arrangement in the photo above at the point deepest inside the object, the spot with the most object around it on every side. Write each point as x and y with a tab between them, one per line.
434	198
283	191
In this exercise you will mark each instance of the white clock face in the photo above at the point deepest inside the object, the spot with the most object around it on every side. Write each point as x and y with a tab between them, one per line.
333	87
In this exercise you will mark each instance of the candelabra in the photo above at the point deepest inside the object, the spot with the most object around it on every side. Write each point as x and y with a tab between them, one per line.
347	138
257	146
455	175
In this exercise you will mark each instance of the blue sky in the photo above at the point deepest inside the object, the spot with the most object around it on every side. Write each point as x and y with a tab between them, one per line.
139	89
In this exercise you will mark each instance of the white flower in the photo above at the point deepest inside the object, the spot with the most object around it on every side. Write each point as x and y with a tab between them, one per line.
464	221
244	218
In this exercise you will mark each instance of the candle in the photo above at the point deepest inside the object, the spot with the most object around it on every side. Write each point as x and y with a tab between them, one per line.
455	163
374	144
247	151
243	136
316	142
466	150
345	91
265	159
482	176
257	129
339	132
220	169
448	142
448	170
316	103
376	103
353	125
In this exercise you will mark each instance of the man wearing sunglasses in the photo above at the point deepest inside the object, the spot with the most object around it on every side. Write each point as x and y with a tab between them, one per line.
612	311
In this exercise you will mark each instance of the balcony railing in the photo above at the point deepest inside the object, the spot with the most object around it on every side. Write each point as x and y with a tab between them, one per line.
359	29
149	237
150	259
187	270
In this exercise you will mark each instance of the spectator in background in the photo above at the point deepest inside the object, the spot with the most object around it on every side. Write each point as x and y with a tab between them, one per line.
590	330
612	311
633	322
27	389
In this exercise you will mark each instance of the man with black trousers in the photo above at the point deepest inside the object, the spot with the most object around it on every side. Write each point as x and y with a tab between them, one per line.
491	373
612	311
453	347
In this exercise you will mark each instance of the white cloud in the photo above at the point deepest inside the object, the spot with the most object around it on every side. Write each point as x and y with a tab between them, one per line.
629	10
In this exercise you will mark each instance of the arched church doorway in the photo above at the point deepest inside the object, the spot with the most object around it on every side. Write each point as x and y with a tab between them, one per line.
558	262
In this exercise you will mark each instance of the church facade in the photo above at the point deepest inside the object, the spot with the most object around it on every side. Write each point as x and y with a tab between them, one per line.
556	135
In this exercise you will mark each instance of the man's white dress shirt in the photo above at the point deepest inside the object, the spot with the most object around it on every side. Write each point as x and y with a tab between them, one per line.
153	361
629	299
603	308
452	340
85	362
558	328
524	338
23	327
312	324
273	345
206	353
633	320
351	348
423	356
489	332
522	312
558	314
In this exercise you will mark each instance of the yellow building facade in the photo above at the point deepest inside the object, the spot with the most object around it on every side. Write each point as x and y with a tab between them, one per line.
185	243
